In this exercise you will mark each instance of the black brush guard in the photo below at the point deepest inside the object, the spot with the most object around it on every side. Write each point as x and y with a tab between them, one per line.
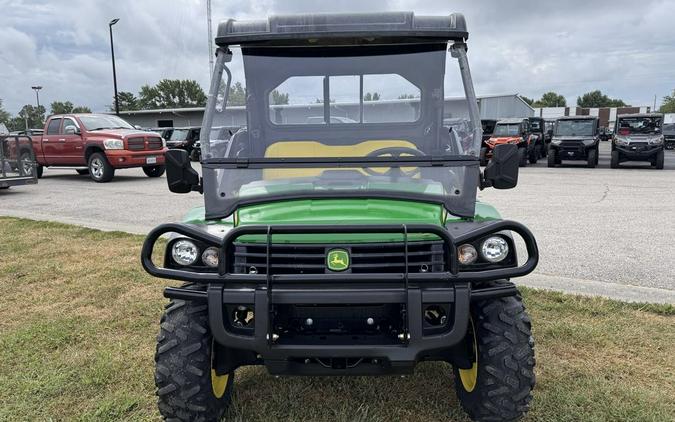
263	291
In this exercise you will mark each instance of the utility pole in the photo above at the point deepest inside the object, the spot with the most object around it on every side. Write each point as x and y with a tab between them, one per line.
37	89
112	52
210	35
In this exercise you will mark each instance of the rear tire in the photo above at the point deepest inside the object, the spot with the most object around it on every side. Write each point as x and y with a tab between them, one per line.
552	157
522	157
186	389
660	157
483	157
25	166
592	158
614	163
499	385
100	169
154	171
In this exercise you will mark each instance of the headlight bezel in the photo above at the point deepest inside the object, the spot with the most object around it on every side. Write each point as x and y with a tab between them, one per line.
113	144
494	239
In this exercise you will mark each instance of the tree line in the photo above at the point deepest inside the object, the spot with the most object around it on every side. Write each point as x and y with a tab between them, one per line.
593	99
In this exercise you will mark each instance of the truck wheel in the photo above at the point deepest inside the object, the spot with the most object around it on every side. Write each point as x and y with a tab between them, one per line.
25	164
154	171
592	158
188	388
522	157
552	157
498	387
195	154
82	172
100	169
483	157
533	156
614	163
39	169
660	156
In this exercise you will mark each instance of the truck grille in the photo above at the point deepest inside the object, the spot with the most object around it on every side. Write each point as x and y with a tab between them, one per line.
139	144
426	256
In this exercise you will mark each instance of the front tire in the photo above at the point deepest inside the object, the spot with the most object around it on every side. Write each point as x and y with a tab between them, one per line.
188	389
522	157
154	171
552	157
499	385
100	169
614	163
483	157
533	156
592	159
660	157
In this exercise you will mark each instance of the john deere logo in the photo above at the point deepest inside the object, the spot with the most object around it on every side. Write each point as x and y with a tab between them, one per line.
337	260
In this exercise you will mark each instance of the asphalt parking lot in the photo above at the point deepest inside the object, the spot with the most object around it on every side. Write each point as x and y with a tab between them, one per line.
600	231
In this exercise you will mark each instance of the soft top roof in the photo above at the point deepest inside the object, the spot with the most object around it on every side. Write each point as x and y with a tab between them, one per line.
621	116
577	118
342	29
511	120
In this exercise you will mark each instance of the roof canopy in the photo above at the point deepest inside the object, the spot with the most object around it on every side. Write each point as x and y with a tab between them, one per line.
342	29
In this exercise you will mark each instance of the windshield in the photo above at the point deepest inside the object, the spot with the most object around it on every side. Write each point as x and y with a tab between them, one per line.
98	122
669	128
317	121
583	127
507	129
179	134
639	124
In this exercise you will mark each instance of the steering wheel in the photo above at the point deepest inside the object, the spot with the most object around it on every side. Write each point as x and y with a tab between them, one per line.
395	152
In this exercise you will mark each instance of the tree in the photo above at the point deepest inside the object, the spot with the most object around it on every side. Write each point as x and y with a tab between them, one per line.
406	97
529	101
237	96
598	99
371	97
128	101
5	117
668	105
279	98
30	116
172	93
66	107
551	99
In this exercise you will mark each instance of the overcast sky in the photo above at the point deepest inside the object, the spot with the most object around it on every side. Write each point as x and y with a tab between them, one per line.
624	48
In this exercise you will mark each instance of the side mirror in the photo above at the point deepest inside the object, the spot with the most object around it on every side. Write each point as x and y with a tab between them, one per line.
180	176
502	170
71	130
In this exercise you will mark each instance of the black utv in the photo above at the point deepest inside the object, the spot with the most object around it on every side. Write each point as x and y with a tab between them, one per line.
538	131
638	137
575	138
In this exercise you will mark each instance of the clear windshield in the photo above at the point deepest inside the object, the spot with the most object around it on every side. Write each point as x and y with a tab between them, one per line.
507	129
639	125
317	122
179	134
98	122
575	128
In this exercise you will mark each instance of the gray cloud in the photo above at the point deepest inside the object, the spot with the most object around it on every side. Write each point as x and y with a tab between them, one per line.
623	48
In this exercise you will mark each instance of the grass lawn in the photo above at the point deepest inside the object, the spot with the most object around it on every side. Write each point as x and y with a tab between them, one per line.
78	319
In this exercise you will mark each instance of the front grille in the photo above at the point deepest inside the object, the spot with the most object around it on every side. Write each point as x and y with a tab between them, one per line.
638	144
570	145
139	144
136	144
426	256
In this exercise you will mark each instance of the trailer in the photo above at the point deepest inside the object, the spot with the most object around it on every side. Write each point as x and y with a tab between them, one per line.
17	160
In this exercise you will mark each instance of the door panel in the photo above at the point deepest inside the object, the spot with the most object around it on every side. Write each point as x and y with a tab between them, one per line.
50	141
72	145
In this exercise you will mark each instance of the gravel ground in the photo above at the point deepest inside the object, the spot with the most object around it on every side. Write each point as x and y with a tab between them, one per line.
600	231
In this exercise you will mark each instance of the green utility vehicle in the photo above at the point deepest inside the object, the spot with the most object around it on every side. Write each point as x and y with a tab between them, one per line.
349	244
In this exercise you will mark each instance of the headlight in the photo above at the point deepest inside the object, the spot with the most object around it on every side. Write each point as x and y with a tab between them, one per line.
621	141
656	141
556	141
494	249
467	254
184	252
113	144
210	257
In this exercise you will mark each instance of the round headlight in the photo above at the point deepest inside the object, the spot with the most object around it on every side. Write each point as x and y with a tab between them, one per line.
494	249
184	252
210	257
467	254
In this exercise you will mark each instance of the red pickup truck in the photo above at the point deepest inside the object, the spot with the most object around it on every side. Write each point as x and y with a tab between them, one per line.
102	143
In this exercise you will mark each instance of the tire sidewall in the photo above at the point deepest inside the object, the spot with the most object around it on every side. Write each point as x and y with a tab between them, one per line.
107	170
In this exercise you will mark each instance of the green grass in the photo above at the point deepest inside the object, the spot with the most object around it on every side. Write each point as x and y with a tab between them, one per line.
78	319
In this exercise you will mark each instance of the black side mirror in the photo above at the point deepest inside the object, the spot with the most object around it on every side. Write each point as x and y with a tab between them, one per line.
502	170
180	175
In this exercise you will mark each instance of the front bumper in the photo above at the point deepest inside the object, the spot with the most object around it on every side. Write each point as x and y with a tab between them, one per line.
638	152
125	159
266	294
573	150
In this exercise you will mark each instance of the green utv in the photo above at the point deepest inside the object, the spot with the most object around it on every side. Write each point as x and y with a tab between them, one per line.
341	233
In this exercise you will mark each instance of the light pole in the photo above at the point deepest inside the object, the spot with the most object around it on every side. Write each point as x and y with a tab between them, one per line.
112	51
37	89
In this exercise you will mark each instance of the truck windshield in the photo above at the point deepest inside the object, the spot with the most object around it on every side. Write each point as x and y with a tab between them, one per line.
507	129
99	122
340	121
639	125
575	127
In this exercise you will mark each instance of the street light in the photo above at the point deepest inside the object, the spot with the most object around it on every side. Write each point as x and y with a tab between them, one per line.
112	51
37	89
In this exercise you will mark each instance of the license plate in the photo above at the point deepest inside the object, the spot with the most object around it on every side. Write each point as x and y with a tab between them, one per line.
151	160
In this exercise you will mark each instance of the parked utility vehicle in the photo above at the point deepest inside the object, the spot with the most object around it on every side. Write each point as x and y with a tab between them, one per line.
638	137
355	248
515	131
575	138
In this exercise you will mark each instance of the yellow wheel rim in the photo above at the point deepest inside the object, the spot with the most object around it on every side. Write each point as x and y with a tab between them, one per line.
470	376
218	382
